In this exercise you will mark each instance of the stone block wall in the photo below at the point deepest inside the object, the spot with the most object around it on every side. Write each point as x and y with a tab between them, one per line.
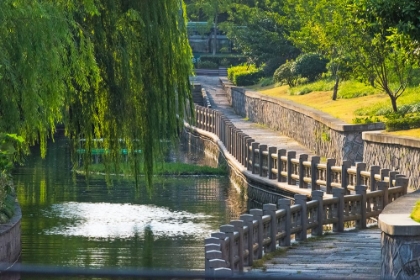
10	245
400	239
319	132
401	154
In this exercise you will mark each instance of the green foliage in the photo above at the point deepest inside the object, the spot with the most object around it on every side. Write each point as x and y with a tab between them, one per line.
258	32
225	60
366	120
207	65
415	214
285	74
310	66
353	89
244	75
398	122
105	69
264	82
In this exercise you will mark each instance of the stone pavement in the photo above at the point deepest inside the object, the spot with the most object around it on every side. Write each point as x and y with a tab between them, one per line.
349	255
261	134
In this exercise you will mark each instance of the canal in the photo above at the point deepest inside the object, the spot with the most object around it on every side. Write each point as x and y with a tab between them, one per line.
69	222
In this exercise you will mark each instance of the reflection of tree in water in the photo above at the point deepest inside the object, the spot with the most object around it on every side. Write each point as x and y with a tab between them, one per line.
148	247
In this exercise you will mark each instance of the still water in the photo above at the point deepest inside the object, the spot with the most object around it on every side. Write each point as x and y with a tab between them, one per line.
67	222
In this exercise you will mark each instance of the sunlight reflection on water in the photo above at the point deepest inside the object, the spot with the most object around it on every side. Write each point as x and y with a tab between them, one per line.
108	220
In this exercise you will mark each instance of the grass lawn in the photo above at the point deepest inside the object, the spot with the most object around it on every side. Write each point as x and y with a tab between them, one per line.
355	100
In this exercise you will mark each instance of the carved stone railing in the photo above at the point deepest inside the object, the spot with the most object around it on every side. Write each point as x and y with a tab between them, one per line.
354	194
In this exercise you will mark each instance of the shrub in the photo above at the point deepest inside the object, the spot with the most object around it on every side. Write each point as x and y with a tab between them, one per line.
401	122
285	74
207	65
244	75
310	65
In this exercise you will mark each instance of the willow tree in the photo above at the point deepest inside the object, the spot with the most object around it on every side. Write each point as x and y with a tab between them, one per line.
111	69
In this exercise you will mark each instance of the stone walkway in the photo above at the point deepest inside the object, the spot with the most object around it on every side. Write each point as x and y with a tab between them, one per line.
349	255
263	135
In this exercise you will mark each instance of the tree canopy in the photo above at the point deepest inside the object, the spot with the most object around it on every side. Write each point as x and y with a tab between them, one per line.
110	69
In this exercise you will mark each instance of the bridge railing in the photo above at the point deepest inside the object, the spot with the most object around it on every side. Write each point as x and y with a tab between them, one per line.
357	195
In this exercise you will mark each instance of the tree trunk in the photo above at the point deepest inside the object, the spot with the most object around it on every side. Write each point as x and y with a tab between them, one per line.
394	103
335	89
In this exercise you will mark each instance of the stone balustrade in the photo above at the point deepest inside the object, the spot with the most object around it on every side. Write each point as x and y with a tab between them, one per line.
353	194
261	231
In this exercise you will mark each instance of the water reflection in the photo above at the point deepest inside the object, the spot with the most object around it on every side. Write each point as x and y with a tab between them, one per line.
112	220
67	222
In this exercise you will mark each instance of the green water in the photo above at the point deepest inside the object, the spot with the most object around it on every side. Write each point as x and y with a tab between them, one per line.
67	222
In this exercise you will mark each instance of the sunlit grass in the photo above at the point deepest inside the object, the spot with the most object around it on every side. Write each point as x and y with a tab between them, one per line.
355	99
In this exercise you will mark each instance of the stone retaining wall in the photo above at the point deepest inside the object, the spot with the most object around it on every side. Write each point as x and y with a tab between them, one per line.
396	153
319	132
400	240
256	193
10	245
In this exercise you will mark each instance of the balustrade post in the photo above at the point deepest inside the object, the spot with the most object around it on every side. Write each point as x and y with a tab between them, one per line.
383	186
344	174
239	227
249	222
374	169
215	265
254	146
280	165
328	174
229	230
339	225
290	155
314	172
392	175
384	172
261	149
239	143
248	154
319	197
361	189
211	255
301	200
245	146
284	204
360	166
258	213
302	158
271	151
222	237
402	181
270	209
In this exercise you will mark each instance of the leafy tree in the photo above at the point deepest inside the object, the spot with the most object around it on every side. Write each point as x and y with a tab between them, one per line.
322	27
256	28
400	14
112	69
383	55
310	66
285	73
211	10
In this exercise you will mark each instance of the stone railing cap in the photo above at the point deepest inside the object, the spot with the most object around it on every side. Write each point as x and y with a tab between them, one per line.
395	218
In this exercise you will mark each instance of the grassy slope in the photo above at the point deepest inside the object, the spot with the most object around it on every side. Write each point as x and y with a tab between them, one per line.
344	108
